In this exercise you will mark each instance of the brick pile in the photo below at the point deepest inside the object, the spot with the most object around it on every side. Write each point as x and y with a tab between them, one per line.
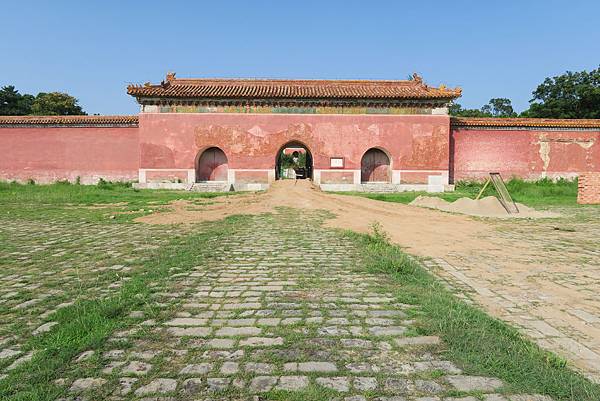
589	188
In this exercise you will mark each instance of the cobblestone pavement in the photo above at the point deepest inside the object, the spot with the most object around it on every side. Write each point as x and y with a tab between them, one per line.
548	287
542	275
283	312
47	265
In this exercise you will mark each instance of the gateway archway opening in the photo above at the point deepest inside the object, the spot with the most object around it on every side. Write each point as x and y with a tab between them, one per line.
294	161
375	166
211	165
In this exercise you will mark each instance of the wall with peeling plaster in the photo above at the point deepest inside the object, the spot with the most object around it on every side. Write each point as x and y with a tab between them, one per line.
530	154
50	154
173	141
165	147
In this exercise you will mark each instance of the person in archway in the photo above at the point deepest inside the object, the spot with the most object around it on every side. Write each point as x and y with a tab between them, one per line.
299	170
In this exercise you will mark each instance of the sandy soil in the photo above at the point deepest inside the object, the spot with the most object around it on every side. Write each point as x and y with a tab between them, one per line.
489	206
422	231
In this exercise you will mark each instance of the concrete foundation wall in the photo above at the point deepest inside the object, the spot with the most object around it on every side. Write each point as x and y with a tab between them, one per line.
47	154
529	154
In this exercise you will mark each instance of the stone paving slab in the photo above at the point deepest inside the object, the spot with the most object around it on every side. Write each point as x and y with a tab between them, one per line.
560	340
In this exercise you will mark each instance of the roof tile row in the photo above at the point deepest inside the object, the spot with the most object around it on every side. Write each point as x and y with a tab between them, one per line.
69	120
132	120
292	89
524	122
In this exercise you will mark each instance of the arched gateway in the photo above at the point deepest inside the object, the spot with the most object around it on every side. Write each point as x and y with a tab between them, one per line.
211	165
294	156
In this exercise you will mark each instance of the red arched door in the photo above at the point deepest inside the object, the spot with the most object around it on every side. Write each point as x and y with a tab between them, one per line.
212	165
375	166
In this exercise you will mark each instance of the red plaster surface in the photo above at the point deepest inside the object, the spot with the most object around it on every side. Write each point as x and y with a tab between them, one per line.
526	154
252	141
50	154
413	177
166	176
252	176
337	177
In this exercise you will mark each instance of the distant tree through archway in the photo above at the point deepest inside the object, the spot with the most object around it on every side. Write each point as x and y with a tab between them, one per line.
284	160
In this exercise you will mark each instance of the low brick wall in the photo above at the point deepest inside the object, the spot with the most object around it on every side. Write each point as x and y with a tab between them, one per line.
589	188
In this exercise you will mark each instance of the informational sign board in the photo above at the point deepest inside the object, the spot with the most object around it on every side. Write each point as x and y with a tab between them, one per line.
336	162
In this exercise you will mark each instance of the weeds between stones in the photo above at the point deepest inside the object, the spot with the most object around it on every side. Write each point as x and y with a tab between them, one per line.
479	343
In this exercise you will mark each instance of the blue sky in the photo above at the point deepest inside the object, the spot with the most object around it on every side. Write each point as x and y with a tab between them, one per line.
93	49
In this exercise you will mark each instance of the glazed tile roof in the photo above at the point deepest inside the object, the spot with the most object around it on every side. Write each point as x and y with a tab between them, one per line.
69	120
524	122
208	88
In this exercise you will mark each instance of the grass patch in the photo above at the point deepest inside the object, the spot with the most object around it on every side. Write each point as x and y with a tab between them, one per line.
541	193
65	193
480	344
88	323
111	202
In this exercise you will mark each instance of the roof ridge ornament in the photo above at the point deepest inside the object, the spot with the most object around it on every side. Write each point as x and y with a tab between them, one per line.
167	81
417	78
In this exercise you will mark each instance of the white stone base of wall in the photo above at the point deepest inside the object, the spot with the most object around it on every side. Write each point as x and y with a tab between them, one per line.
208	186
162	185
436	182
383	188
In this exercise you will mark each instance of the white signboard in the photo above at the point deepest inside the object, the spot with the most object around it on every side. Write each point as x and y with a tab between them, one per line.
337	162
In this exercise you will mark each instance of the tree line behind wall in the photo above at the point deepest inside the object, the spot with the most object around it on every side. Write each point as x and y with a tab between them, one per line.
13	103
571	95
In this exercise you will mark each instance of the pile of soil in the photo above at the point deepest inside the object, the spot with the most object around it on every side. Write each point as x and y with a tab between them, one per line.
489	206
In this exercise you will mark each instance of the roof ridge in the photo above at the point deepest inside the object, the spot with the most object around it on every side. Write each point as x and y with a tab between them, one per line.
280	88
301	80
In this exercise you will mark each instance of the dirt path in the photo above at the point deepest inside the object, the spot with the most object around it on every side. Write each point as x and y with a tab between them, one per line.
404	224
543	281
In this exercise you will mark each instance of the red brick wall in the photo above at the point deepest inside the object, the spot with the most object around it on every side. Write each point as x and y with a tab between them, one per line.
49	154
589	188
529	154
251	141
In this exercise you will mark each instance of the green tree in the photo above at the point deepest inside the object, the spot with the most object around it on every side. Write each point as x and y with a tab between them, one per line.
12	103
571	95
499	107
56	104
457	110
